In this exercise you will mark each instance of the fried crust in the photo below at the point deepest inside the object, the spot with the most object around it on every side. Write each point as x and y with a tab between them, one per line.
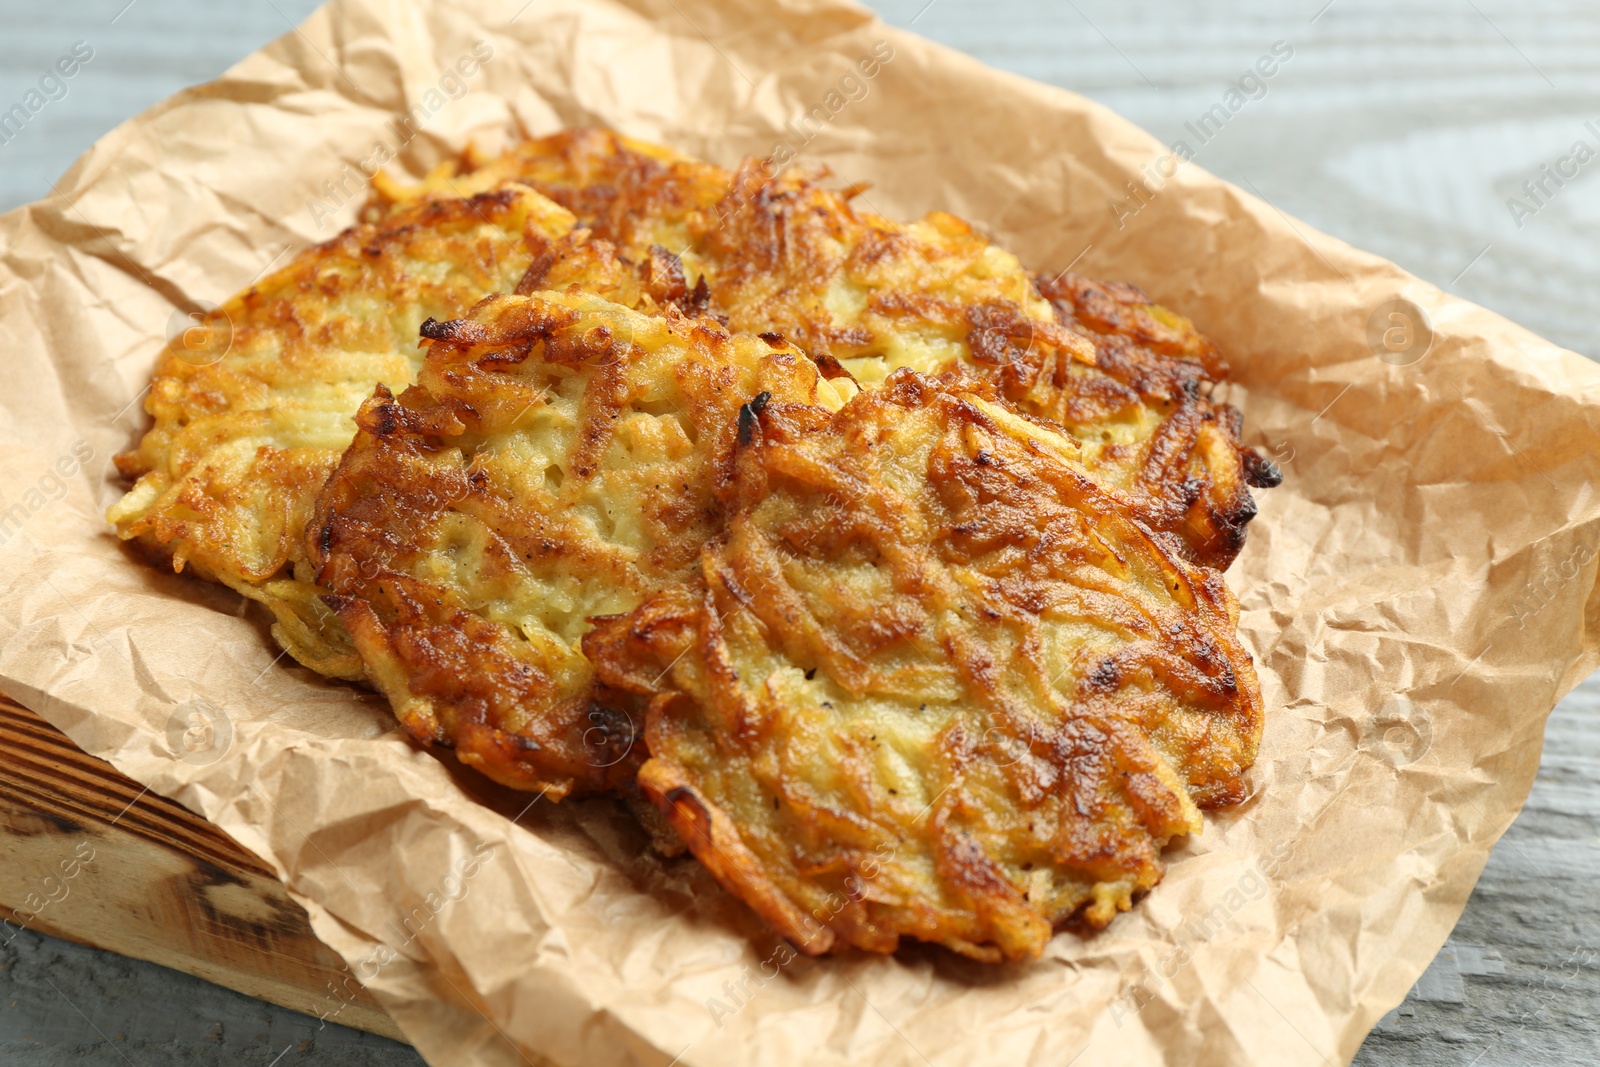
866	295
253	405
558	459
1160	356
933	682
633	194
1129	380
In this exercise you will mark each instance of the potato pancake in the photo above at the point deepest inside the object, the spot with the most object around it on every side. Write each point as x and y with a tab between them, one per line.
867	295
933	682
634	194
254	405
557	460
940	659
1126	378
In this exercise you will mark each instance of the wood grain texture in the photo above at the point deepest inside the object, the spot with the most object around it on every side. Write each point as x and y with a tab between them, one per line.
92	857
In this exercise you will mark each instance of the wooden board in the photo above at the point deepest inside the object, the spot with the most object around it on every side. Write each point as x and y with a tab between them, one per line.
93	857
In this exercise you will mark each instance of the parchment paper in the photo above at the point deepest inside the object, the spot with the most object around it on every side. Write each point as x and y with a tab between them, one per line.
1418	593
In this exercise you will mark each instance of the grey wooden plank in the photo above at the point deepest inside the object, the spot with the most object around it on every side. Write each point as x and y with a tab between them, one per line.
153	49
64	1003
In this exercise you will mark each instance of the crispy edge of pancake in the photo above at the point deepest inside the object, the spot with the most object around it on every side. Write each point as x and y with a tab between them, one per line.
550	253
1137	340
629	192
443	519
198	483
936	296
1148	726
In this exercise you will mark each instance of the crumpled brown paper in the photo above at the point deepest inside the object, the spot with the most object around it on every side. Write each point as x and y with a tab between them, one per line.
1418	593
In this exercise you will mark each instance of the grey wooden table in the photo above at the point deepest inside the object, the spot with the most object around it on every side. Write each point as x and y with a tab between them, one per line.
1406	128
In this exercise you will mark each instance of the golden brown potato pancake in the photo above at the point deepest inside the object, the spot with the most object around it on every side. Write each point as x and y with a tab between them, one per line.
248	423
254	406
865	294
1126	378
1192	474
936	665
934	683
557	460
634	194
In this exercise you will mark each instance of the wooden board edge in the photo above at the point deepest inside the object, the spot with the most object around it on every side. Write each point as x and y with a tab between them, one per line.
95	859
